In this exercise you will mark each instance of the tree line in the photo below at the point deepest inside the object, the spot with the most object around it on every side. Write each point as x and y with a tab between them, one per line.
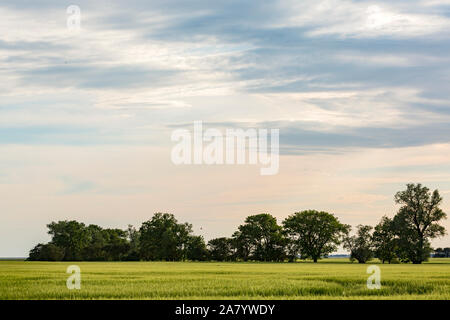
442	253
307	234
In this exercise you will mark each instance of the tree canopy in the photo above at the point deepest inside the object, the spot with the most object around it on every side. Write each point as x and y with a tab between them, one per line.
260	238
313	234
163	238
360	245
417	221
308	234
384	240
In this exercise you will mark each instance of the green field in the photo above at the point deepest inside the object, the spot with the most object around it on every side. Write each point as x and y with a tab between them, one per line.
328	279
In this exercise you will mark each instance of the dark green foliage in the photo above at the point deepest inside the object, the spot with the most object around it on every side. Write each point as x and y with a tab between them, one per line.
360	245
163	238
106	244
74	241
260	238
442	253
313	234
308	234
417	221
196	249
221	249
116	246
242	244
73	236
411	248
384	240
133	237
46	252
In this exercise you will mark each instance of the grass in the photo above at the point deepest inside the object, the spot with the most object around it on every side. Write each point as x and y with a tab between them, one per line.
328	279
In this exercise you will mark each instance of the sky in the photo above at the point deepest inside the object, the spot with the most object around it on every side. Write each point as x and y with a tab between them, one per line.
359	91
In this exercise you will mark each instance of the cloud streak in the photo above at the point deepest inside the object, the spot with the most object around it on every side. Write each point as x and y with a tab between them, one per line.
353	86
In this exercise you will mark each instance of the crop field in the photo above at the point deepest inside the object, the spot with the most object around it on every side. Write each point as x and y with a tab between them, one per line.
328	279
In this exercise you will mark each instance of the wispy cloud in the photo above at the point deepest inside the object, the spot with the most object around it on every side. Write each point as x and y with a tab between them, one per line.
346	82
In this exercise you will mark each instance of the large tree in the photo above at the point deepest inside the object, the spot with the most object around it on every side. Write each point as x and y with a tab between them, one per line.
163	238
196	249
384	240
417	221
72	236
360	245
261	238
220	249
313	234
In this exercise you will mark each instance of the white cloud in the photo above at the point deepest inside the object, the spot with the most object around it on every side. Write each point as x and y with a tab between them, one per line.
257	69
361	20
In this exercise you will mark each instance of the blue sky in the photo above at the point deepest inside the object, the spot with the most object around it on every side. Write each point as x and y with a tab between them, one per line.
359	91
